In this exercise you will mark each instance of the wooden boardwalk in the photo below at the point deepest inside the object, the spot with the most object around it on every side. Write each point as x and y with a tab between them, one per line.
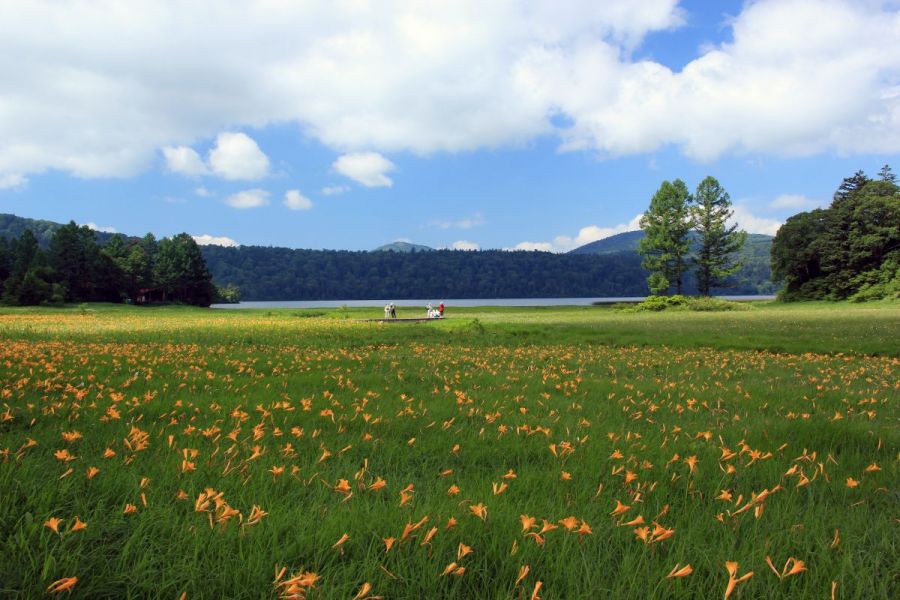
402	320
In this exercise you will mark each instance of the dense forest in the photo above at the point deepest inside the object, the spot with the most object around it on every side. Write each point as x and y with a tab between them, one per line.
263	273
850	250
72	266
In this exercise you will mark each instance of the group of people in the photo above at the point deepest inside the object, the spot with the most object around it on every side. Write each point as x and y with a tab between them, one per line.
435	313
390	311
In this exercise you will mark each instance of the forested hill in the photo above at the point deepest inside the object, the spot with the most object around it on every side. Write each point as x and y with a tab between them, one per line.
755	277
12	226
263	273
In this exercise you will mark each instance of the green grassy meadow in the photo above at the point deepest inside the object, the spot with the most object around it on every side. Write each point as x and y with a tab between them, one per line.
570	452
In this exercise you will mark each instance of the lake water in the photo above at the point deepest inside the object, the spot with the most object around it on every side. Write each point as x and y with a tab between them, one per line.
464	302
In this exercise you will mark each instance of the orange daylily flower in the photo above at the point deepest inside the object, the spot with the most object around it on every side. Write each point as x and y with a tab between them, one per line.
78	525
62	585
733	579
363	590
479	510
527	522
620	509
523	571
53	523
679	571
462	550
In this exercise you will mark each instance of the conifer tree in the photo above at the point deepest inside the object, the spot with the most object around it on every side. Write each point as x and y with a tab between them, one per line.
666	245
716	240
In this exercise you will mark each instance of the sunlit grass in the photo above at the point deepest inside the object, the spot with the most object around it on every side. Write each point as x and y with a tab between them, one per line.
561	415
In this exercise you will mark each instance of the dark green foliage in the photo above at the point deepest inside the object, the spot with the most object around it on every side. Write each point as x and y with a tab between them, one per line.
753	277
227	294
28	281
851	249
76	269
885	174
717	242
86	273
665	246
181	271
284	274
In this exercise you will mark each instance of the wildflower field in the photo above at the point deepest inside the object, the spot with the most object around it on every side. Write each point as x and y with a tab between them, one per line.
575	452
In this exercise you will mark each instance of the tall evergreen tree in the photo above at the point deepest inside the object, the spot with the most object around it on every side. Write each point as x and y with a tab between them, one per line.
666	244
885	174
75	258
182	273
716	240
29	275
5	260
850	184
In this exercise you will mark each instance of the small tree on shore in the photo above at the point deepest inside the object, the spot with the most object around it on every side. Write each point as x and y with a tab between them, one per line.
716	240
666	245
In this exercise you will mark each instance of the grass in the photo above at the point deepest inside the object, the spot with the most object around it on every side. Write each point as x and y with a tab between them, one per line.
588	406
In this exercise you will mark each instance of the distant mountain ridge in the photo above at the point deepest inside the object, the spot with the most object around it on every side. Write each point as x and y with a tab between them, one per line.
12	226
403	247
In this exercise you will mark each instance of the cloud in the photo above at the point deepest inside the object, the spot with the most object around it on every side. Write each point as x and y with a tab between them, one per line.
366	168
96	227
335	190
752	223
237	157
793	202
465	245
203	192
184	161
586	235
395	76
210	240
534	246
475	220
12	181
294	200
248	199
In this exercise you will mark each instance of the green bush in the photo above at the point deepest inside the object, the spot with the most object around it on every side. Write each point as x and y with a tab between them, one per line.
679	302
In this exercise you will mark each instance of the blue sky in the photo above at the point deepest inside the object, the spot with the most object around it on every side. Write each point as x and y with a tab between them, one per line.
350	124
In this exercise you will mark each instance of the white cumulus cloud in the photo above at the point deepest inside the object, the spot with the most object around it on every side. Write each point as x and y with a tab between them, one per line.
184	161
793	202
586	235
248	199
294	200
211	240
365	168
751	223
335	190
236	156
465	245
85	93
96	227
475	220
12	181
534	246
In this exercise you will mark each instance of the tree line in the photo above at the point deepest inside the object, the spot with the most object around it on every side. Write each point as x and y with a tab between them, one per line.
76	268
684	230
266	273
850	250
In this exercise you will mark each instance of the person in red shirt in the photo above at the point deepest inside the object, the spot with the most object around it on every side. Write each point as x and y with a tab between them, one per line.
441	309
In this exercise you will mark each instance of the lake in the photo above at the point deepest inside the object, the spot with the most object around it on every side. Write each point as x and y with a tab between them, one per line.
464	302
